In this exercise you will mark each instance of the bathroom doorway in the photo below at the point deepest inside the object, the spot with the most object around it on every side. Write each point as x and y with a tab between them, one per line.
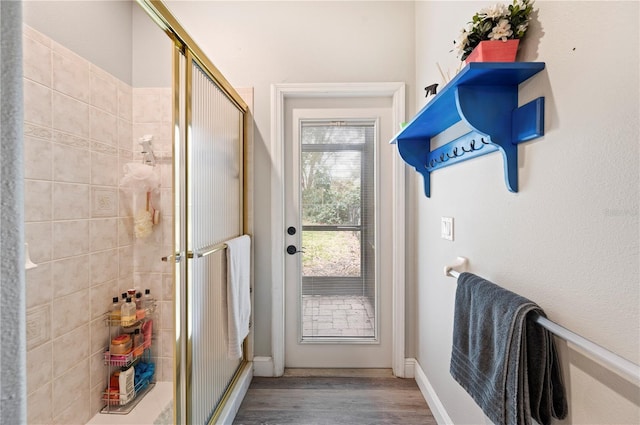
362	293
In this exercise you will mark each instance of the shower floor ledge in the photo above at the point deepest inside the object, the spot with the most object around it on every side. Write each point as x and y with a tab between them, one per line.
145	413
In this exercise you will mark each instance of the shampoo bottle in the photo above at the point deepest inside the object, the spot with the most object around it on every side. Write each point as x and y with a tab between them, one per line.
126	385
147	300
138	343
140	311
114	314
128	313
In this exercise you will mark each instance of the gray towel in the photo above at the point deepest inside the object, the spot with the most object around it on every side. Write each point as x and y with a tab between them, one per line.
502	358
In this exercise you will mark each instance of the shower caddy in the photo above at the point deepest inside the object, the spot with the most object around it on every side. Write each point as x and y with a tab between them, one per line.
115	362
484	95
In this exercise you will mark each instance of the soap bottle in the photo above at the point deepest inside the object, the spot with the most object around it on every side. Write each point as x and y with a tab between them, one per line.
114	314
128	312
138	343
126	385
140	311
147	301
147	327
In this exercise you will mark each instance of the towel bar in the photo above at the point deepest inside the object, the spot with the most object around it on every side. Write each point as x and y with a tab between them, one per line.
622	366
209	251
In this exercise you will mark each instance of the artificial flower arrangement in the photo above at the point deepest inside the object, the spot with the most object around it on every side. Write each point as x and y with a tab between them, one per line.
498	22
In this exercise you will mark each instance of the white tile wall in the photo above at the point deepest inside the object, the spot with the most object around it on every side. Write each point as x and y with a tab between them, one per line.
37	153
104	126
40	240
104	234
70	349
76	382
39	284
104	169
40	403
104	91
70	201
152	114
70	275
71	73
38	325
71	164
70	238
37	61
79	132
37	205
39	365
78	412
104	202
37	105
70	115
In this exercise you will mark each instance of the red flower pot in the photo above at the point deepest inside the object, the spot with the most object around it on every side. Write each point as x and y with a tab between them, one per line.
494	51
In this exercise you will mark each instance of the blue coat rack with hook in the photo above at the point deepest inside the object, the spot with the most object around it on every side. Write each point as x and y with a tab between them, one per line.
484	95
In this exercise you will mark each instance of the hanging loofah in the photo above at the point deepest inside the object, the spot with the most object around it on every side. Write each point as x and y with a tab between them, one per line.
140	177
143	221
142	224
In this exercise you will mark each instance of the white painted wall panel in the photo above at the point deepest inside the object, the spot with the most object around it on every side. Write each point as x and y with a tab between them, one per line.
569	238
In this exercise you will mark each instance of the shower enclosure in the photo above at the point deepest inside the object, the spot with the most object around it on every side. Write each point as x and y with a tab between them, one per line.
87	115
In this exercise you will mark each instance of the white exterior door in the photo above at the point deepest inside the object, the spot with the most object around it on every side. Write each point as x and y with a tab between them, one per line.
338	272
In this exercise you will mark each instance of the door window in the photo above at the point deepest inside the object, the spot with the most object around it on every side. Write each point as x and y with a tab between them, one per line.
338	284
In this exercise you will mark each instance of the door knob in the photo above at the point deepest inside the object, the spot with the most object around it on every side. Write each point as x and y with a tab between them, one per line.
291	249
291	230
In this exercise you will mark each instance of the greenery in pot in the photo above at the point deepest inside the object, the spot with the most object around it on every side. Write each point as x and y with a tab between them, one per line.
497	22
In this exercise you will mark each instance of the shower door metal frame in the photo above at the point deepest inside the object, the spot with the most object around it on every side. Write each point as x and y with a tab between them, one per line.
186	52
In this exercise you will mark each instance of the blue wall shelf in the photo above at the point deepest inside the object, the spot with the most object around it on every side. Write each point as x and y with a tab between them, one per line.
484	95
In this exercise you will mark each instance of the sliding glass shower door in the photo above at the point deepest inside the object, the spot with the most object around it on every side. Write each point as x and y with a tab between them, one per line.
209	191
209	172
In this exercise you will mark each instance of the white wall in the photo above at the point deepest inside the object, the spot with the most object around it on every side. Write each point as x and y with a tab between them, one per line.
98	30
569	238
256	44
152	52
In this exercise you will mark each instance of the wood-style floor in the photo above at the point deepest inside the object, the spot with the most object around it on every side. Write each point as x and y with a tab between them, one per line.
334	396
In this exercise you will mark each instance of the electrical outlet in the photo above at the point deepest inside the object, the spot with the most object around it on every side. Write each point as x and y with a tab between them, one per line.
446	228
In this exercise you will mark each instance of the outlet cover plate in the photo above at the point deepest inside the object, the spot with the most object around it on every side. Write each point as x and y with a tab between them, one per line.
446	228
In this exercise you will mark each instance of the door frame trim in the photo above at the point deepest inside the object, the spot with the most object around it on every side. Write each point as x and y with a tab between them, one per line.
279	92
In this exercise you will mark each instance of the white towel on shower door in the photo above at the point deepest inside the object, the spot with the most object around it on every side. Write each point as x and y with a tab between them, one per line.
238	294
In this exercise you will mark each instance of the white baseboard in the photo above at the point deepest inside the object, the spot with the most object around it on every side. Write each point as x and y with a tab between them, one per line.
409	368
429	393
234	401
263	366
